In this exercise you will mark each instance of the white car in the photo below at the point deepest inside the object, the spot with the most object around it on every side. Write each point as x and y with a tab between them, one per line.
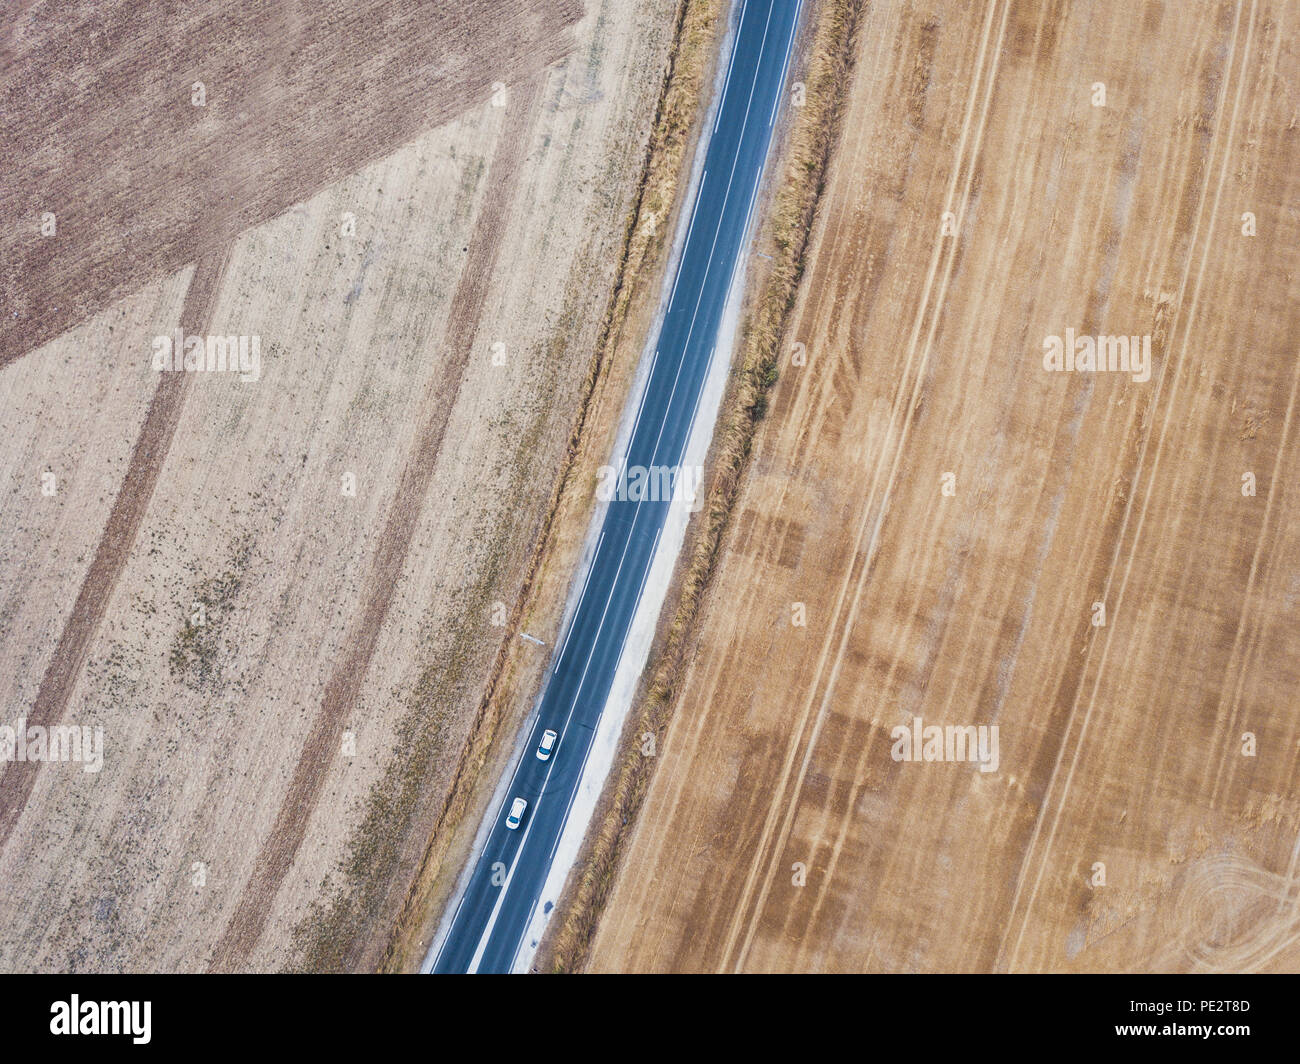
516	814
547	746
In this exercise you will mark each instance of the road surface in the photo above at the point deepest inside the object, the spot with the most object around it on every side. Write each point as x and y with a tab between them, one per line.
497	904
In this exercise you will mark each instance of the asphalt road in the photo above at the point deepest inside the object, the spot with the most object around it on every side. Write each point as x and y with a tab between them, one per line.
494	912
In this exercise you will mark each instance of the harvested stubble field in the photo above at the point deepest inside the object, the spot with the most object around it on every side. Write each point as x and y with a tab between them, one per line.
281	599
946	514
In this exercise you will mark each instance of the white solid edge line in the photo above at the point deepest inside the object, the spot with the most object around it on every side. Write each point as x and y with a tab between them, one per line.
785	65
721	99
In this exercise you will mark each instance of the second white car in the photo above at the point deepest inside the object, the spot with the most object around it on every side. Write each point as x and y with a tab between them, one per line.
547	745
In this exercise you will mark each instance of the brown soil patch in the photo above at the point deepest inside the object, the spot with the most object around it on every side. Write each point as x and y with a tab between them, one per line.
101	129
